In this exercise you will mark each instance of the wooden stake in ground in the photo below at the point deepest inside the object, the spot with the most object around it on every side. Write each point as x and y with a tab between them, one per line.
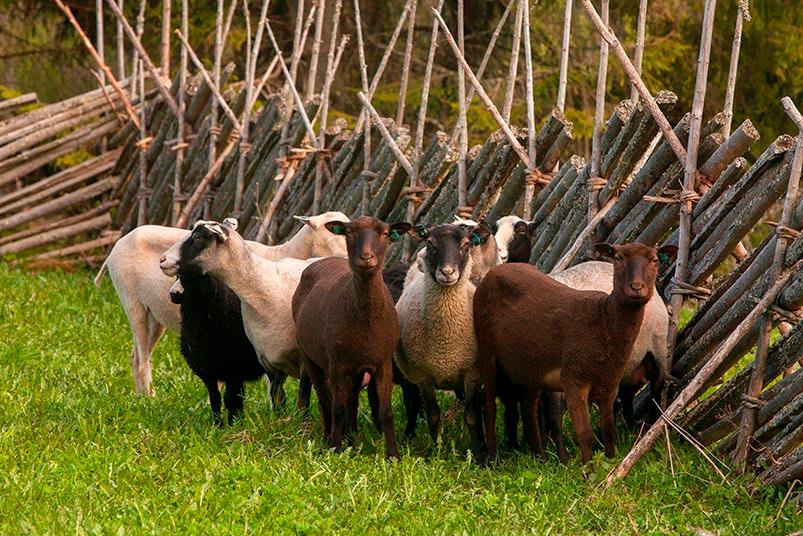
564	56
690	175
180	144
529	188
742	13
366	152
214	129
750	412
408	55
143	191
316	51
512	73
596	183
100	44
121	47
462	201
132	114
638	53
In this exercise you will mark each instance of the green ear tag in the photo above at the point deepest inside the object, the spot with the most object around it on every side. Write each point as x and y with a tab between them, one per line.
394	235
663	258
338	229
475	239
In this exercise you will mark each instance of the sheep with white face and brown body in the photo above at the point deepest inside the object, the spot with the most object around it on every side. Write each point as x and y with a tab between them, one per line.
347	328
133	266
547	336
438	349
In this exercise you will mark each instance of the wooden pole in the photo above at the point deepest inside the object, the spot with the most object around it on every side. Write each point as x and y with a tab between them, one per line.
595	181
383	130
462	201
510	82
694	387
164	47
482	94
690	172
316	51
638	54
742	12
750	412
635	78
121	47
143	191
182	106
214	129
564	56
529	189
408	55
152	71
100	43
384	62
320	163
132	114
366	152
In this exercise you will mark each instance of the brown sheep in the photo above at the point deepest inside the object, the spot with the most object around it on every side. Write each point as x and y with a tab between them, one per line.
546	336
347	327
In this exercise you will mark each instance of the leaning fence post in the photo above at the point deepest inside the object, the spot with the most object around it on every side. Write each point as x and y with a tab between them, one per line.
564	56
595	182
742	14
532	177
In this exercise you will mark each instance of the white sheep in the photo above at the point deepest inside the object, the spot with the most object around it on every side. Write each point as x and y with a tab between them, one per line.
143	289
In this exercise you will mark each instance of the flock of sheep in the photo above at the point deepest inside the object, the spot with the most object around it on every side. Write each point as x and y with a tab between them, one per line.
468	315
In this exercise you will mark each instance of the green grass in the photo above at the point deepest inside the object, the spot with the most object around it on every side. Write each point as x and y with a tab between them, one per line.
80	453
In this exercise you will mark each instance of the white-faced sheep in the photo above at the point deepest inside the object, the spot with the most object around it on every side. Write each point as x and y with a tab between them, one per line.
143	289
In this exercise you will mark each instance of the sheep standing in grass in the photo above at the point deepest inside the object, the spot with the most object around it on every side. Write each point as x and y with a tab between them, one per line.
438	349
213	339
547	336
265	289
133	266
347	327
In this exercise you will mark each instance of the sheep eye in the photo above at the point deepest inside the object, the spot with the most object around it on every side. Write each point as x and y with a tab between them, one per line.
617	258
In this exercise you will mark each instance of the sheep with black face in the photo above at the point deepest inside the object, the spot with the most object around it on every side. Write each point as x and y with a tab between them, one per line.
438	348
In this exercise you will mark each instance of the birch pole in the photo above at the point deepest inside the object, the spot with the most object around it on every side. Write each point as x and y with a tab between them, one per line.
529	189
214	129
638	53
180	144
462	199
366	152
596	183
489	105
564	56
690	172
320	163
742	13
143	192
512	73
750	411
380	70
251	66
121	48
408	55
316	51
99	39
164	47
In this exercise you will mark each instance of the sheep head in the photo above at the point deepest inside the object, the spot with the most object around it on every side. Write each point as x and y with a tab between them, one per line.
635	267
367	240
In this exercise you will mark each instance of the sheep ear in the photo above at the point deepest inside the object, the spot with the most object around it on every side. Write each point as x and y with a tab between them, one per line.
667	253
217	230
306	220
480	234
398	229
231	223
336	227
420	260
419	232
532	225
604	250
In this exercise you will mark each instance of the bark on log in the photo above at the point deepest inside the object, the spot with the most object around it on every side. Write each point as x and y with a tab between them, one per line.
55	235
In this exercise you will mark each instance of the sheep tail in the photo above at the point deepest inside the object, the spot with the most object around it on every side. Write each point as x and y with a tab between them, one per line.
101	273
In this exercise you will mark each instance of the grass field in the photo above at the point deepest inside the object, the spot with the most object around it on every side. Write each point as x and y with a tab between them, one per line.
80	453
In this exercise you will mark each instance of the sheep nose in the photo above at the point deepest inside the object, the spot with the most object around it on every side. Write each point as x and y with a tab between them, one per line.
447	270
366	256
637	286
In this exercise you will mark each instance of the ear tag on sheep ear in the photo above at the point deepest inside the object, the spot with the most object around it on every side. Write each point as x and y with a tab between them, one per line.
475	239
339	229
394	235
663	258
422	231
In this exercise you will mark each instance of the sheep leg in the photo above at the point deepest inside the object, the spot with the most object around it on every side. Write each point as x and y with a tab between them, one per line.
137	316
412	406
373	403
304	393
473	418
339	386
626	395
276	379
607	426
577	402
155	331
318	378
489	414
432	410
553	414
214	400
351	411
382	382
532	429
233	399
